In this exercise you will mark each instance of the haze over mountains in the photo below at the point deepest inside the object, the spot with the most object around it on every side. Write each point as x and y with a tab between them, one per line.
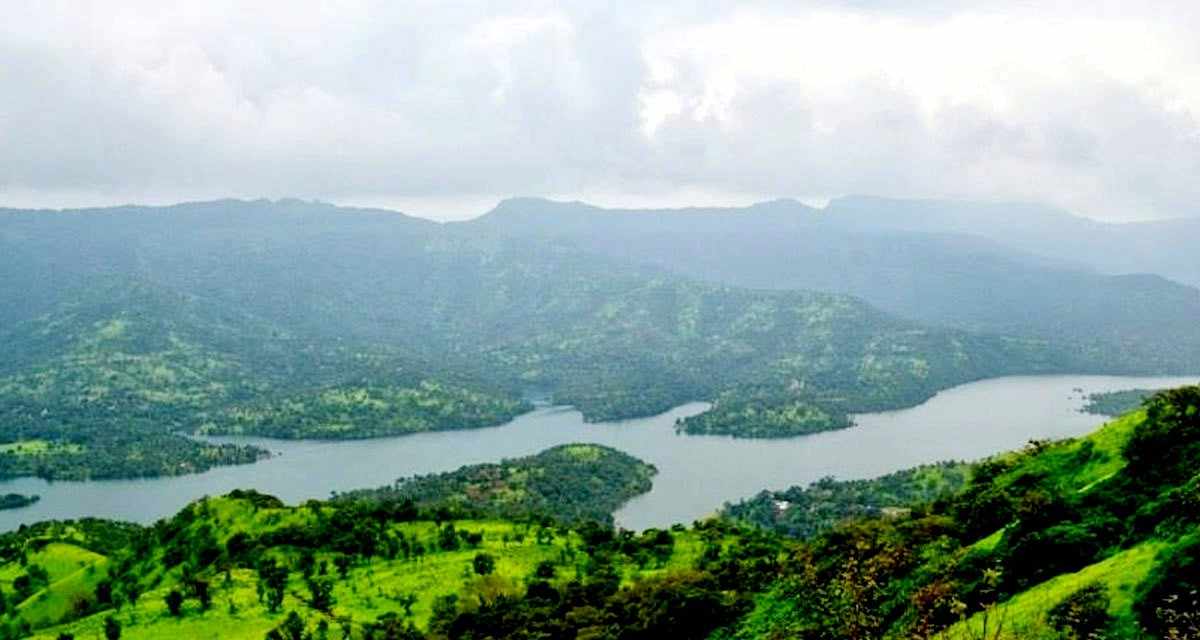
1003	269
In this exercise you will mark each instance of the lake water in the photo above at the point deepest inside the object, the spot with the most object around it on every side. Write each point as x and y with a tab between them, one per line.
697	474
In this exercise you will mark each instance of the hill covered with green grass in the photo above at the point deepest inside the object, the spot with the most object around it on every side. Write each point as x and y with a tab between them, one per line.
1095	537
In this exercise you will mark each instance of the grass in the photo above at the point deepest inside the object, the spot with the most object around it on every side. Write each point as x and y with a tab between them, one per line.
37	447
370	589
1120	574
73	573
1082	463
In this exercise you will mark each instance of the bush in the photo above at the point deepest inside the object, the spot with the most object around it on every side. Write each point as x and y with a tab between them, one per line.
1083	614
1164	448
484	564
1172	588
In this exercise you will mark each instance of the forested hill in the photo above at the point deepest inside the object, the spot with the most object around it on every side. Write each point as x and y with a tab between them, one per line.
296	319
573	483
943	264
1097	537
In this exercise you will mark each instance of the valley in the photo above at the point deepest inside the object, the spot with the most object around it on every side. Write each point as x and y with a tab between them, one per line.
695	474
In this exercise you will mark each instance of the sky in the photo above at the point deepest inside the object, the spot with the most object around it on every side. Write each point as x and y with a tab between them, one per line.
440	109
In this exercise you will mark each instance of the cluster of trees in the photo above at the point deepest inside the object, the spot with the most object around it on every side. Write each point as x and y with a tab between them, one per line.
574	483
1115	403
348	411
803	512
687	603
17	500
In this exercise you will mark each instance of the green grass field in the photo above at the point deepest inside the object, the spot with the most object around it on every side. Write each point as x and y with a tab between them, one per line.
369	589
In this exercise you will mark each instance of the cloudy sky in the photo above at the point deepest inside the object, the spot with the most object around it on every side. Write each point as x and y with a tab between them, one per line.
441	108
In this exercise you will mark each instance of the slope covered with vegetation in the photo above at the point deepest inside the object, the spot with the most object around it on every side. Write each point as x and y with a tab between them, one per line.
1092	537
105	386
302	320
803	512
1088	538
574	482
956	264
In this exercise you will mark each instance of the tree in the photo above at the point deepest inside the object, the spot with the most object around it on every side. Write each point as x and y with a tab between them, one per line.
272	578
174	601
112	629
104	592
448	537
342	562
321	590
484	564
545	570
202	592
1083	614
293	626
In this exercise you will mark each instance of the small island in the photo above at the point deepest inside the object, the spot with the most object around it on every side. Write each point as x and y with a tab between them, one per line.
1115	403
17	501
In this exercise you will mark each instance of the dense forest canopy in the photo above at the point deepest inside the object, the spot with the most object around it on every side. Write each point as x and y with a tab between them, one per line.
575	482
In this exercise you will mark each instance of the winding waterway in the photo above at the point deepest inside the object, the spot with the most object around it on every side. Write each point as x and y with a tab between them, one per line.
697	474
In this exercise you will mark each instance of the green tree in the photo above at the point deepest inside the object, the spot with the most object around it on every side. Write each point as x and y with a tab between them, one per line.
272	578
112	629
484	563
1083	614
321	593
174	601
203	593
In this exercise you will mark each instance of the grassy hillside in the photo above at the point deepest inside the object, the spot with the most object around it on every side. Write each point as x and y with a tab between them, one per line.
400	548
1088	536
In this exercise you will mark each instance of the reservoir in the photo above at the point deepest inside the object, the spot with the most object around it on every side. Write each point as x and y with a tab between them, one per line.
696	474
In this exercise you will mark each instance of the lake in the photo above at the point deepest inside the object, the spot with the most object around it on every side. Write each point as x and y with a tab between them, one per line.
697	474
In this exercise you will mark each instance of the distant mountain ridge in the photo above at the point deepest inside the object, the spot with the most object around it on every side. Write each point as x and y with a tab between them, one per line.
1161	247
892	258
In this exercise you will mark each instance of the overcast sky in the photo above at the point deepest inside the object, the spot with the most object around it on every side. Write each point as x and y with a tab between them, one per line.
441	108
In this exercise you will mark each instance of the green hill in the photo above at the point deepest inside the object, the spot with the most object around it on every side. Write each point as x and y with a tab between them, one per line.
574	482
103	387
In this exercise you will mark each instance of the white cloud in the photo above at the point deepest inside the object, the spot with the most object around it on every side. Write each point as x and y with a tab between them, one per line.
1087	105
